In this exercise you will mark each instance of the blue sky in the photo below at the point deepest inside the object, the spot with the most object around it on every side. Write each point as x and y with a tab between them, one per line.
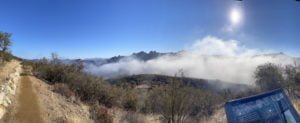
105	28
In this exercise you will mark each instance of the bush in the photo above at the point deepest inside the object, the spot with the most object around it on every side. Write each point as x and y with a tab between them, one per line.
133	117
64	90
7	57
100	114
268	77
130	101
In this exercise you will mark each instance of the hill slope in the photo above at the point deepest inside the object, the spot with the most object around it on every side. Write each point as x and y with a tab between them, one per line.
156	80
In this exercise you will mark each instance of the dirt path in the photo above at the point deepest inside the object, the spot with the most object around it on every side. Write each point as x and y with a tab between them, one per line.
28	110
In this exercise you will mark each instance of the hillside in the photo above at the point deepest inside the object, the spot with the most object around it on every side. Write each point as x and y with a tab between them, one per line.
213	86
28	99
64	93
140	92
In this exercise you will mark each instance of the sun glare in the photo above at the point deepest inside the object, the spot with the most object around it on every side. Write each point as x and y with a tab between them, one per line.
235	16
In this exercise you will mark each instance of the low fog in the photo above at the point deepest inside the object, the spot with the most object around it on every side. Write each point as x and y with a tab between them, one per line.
208	58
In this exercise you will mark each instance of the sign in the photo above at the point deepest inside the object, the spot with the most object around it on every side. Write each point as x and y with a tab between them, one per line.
269	107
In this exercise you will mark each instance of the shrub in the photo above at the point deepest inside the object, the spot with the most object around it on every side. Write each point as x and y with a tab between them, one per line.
100	114
130	101
268	76
133	117
64	90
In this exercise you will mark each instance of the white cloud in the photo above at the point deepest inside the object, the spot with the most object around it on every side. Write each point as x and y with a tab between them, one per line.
208	58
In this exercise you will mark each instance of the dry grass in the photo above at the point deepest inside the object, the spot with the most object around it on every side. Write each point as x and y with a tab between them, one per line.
121	116
296	103
76	119
218	117
56	108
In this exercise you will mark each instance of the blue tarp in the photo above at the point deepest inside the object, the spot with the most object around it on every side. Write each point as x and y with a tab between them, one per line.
269	107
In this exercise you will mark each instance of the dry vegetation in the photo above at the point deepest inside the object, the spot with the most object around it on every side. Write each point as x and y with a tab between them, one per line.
170	102
173	102
56	108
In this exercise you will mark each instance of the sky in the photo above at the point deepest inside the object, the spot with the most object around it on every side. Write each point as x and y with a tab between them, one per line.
105	28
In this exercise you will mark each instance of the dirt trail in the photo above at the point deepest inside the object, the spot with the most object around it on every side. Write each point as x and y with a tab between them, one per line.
28	110
34	101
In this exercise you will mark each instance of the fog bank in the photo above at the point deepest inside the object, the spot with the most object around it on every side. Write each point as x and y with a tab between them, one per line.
208	58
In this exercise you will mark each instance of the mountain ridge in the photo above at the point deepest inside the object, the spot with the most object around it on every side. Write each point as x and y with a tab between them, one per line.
146	56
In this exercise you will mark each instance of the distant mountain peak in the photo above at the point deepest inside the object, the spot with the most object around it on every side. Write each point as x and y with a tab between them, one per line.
142	55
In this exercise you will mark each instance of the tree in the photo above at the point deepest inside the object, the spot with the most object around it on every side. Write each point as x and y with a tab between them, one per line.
292	79
268	76
5	42
297	78
55	58
173	101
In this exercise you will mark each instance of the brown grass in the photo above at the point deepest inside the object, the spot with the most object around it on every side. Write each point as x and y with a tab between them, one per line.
56	108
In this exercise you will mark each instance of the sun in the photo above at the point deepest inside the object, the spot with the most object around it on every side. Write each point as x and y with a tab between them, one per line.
235	16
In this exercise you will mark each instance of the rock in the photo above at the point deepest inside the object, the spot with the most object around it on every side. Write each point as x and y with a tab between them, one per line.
2	96
2	87
2	111
5	103
9	90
